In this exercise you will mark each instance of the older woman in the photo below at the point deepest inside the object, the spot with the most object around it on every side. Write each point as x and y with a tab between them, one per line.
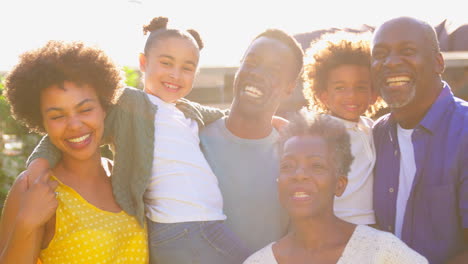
315	159
71	216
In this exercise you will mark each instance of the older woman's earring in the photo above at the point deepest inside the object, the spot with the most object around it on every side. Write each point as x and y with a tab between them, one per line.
277	179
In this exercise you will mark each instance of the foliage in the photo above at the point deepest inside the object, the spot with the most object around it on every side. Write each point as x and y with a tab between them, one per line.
132	77
12	165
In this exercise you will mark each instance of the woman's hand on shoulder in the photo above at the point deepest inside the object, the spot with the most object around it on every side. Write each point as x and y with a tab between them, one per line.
38	202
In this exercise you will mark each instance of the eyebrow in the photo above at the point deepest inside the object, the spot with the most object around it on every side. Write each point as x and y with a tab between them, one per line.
172	58
77	106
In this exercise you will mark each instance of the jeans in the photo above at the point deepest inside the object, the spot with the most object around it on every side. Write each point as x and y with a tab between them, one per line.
194	243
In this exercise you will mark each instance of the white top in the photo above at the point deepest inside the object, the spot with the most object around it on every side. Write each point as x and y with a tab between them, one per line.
355	204
366	245
182	188
407	173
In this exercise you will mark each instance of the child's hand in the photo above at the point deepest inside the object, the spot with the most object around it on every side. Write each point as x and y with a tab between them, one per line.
279	122
38	202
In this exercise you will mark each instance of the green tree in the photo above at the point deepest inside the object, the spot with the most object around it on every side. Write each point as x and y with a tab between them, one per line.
132	77
12	164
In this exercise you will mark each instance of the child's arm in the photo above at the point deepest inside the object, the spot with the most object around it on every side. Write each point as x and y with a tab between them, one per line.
207	114
44	157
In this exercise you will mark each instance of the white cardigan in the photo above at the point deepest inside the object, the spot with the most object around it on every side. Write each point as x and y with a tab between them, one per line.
366	246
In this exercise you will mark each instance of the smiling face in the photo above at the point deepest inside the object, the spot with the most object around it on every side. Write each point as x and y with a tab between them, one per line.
348	91
170	68
308	181
265	77
73	119
404	63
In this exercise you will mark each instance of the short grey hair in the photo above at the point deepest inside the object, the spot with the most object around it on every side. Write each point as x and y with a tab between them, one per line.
308	123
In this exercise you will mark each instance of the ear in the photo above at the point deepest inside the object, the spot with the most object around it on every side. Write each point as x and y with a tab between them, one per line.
142	59
439	63
341	184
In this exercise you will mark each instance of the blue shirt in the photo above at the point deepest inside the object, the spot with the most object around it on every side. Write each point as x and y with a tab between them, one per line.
437	208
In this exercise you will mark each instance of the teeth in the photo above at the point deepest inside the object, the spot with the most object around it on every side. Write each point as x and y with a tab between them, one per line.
253	92
170	86
79	139
397	81
301	195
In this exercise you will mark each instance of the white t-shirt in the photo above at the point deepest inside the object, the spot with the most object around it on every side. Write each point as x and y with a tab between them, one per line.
407	173
355	204
182	188
366	246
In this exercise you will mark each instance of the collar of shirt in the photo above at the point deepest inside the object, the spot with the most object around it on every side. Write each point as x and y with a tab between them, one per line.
356	126
433	117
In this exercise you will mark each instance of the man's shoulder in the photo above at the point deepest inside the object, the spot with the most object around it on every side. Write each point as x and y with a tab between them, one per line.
461	109
213	131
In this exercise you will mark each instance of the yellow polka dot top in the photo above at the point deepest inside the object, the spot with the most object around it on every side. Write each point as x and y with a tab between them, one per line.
87	234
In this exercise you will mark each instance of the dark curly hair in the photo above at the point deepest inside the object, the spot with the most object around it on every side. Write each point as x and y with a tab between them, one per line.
158	30
329	52
53	64
308	123
289	41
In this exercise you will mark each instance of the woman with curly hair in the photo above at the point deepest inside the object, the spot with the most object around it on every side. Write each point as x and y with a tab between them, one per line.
70	215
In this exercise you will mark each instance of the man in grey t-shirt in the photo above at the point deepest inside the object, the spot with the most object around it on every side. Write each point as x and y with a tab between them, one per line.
241	147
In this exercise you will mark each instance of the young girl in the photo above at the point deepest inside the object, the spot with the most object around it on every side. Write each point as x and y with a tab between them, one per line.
338	83
159	169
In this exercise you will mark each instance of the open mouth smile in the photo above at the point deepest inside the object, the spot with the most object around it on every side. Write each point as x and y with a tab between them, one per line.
171	86
79	139
253	92
397	81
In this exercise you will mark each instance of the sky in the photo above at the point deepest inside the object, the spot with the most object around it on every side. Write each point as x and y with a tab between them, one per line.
226	27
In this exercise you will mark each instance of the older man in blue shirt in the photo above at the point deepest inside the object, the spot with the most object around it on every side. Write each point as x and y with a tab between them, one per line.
421	172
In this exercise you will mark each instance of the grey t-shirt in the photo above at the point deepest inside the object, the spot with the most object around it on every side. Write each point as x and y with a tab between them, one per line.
247	170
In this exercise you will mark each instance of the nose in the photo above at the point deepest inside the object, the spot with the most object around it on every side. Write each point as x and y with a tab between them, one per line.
392	60
175	73
301	173
74	122
349	92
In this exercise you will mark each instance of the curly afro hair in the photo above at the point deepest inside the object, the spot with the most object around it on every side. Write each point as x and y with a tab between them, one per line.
53	64
308	123
158	30
329	52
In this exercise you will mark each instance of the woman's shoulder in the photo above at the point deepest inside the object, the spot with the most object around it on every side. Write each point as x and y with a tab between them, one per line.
263	256
385	246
